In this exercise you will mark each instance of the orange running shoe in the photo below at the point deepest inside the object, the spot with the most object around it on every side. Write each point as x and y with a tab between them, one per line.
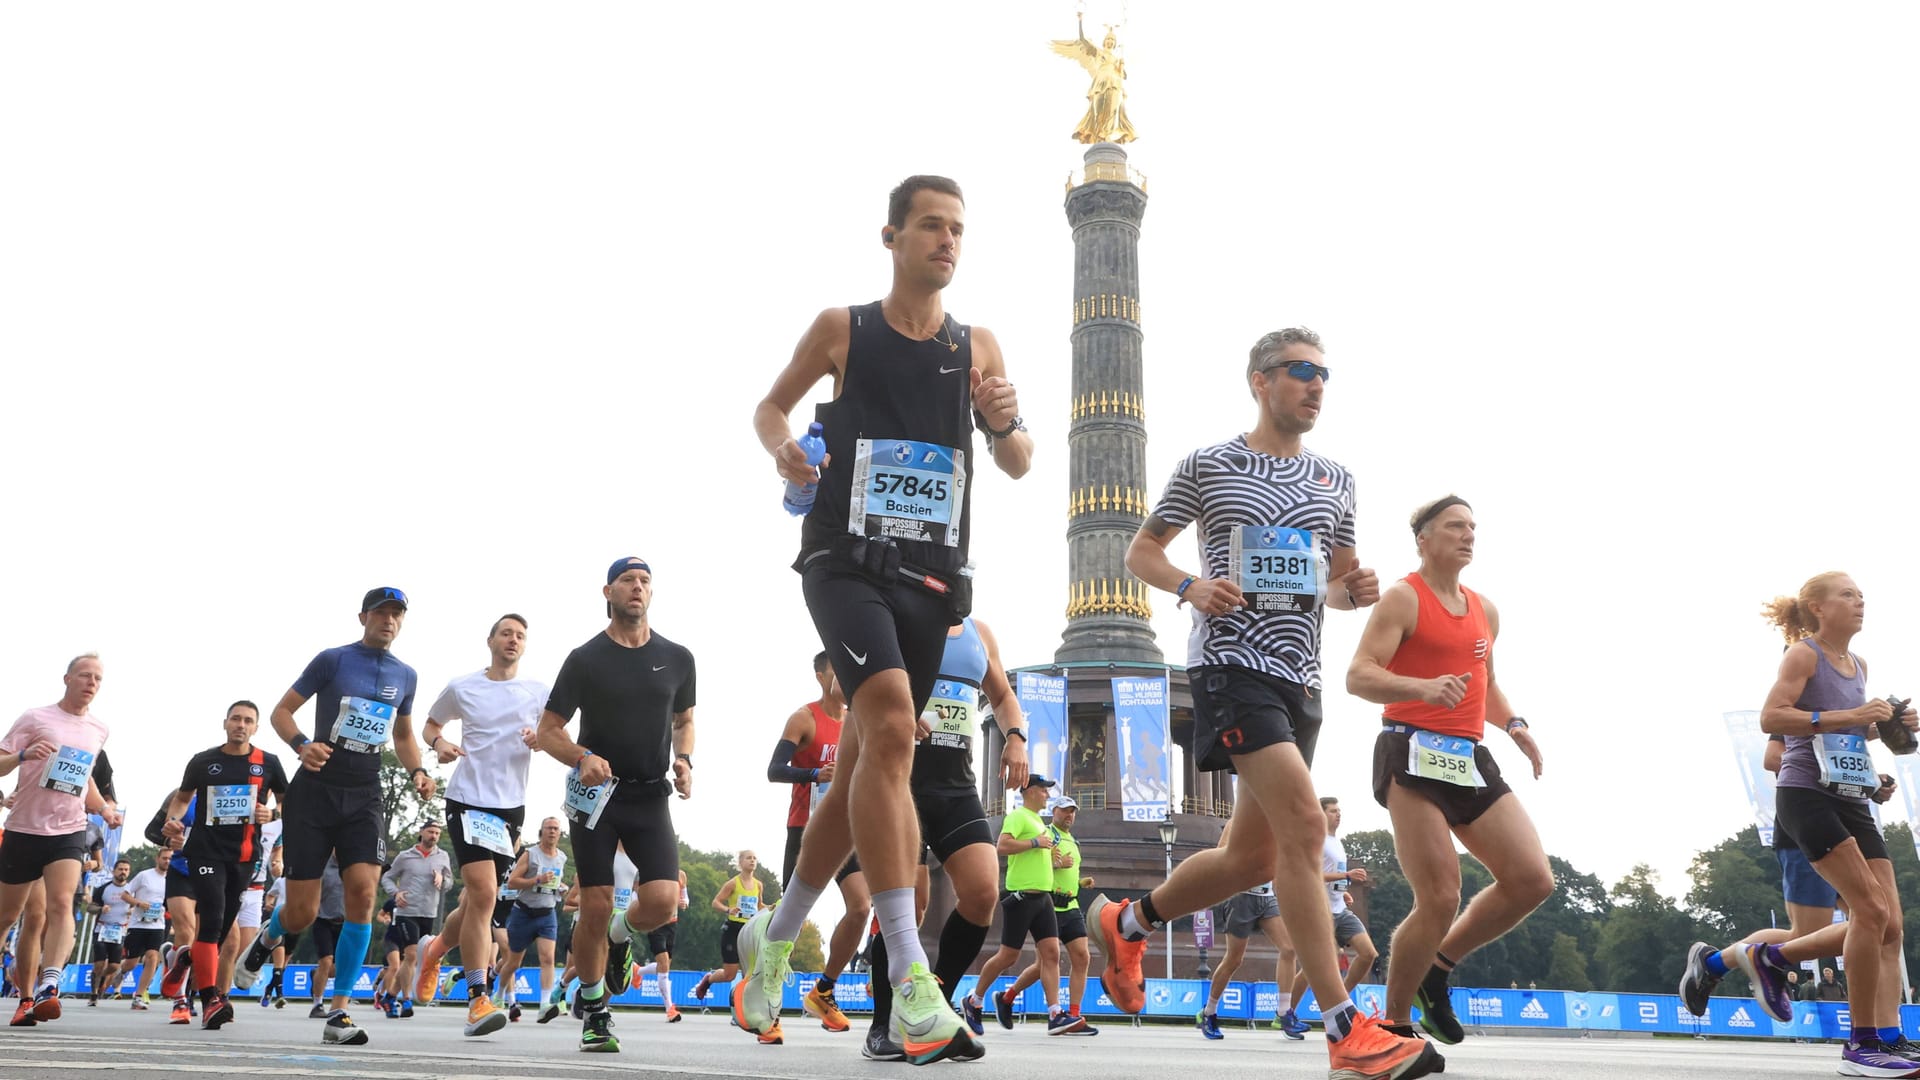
484	1017
428	982
773	1036
825	1009
673	1014
1125	984
182	1012
1370	1052
23	1016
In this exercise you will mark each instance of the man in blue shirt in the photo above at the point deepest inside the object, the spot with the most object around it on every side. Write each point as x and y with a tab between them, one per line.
363	698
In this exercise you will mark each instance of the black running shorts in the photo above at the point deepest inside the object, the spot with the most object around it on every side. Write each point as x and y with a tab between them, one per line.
142	942
661	940
1821	822
466	854
643	825
326	937
1459	805
792	860
867	628
1023	913
322	819
951	822
1237	710
730	942
24	856
1072	924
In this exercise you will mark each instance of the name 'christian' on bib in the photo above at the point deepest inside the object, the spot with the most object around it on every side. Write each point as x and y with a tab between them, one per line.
1278	569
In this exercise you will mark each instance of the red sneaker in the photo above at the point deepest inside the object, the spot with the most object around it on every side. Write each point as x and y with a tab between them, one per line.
1125	984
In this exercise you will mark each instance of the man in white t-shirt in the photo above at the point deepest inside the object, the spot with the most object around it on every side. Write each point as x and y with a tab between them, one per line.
145	895
109	932
1348	931
498	713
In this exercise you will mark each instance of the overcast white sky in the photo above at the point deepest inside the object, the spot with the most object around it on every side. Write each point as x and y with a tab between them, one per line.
472	298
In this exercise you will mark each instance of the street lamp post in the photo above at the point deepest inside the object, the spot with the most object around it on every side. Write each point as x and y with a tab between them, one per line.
1169	832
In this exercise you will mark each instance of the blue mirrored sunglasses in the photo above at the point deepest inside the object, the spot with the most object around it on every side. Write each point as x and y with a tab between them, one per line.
1304	370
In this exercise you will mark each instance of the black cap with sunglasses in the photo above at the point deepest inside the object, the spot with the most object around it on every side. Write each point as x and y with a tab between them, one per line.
376	597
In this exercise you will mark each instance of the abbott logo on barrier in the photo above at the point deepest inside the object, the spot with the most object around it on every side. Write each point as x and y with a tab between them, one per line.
1649	1012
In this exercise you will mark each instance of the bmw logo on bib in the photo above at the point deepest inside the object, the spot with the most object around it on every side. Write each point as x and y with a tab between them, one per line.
902	453
1269	537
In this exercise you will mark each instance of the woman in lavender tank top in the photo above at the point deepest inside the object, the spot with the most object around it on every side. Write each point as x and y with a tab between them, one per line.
1819	703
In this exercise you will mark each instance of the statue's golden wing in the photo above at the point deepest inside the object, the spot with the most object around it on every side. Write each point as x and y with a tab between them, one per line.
1081	52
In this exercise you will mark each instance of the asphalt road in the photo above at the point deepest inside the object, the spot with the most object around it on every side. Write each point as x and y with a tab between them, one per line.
267	1042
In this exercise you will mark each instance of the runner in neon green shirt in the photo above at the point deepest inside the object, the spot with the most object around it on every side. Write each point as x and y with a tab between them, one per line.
1027	907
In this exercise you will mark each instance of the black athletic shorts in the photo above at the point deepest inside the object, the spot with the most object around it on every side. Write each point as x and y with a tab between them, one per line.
867	628
408	930
730	942
323	820
217	889
1821	822
502	908
1237	710
661	940
951	822
326	937
464	853
24	856
111	952
142	942
179	885
643	825
1459	805
1072	924
564	943
1022	913
792	860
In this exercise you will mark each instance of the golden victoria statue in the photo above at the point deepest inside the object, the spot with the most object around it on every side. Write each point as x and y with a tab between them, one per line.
1106	118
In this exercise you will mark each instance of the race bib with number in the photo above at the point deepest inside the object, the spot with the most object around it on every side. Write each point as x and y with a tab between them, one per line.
363	726
907	490
1278	569
1446	758
232	804
749	905
818	793
112	932
156	912
488	831
951	712
68	770
585	803
1846	769
622	900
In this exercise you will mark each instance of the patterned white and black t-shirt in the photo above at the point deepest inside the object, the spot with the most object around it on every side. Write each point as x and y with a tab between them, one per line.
1232	484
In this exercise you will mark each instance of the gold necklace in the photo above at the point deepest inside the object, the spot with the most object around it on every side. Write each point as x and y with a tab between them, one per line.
1841	653
952	345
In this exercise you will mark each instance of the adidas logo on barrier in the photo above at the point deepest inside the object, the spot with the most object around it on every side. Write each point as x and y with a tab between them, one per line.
1533	1010
1740	1019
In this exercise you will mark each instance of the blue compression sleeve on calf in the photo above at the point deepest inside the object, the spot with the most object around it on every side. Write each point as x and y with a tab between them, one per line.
1716	964
275	931
350	953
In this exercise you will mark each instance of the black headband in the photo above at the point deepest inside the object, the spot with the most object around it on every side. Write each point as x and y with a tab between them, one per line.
1435	511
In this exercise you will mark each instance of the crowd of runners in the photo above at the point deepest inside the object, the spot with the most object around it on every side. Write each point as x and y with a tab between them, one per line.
257	856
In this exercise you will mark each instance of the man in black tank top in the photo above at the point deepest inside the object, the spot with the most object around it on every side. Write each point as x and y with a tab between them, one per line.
882	564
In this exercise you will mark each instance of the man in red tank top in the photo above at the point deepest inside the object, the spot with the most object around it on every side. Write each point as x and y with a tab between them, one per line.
1427	655
805	757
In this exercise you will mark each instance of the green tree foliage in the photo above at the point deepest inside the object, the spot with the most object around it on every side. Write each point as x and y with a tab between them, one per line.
1567	967
1644	939
1736	887
809	951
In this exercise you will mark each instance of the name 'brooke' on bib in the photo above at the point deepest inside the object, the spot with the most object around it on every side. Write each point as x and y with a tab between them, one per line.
907	490
1845	766
1278	569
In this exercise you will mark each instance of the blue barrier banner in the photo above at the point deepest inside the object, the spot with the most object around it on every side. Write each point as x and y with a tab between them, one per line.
1175	997
1236	1001
1593	1012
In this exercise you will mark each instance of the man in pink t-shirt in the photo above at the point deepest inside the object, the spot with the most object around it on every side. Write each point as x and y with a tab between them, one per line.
54	748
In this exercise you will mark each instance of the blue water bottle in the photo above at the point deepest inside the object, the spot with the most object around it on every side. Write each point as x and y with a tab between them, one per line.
799	498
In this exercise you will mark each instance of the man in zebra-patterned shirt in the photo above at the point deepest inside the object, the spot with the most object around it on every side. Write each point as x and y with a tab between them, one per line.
1277	542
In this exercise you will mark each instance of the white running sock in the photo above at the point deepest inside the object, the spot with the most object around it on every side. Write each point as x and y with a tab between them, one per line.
895	909
1282	1002
794	908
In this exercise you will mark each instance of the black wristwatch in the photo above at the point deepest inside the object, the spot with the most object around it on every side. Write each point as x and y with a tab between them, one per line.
1012	731
688	758
300	741
980	421
421	771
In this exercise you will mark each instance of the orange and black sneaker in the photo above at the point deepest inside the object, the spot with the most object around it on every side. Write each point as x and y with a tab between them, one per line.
182	1012
822	1007
673	1014
23	1016
46	1004
1370	1052
773	1036
1125	984
217	1012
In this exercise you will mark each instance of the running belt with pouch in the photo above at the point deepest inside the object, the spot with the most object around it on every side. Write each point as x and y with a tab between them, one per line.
878	559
